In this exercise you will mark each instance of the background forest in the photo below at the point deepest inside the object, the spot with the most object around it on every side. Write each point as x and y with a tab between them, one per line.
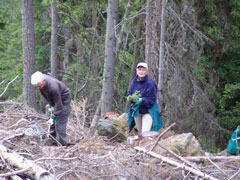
191	46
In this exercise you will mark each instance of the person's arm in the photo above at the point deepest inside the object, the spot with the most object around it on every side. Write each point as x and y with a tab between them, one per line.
58	107
150	96
131	89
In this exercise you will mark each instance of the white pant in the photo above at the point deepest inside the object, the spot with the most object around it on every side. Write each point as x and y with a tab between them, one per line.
143	122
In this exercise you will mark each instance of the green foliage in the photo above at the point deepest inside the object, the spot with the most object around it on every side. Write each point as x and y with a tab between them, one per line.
228	69
209	145
134	97
11	49
223	31
229	106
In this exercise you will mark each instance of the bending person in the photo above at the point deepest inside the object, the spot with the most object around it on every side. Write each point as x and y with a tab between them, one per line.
58	95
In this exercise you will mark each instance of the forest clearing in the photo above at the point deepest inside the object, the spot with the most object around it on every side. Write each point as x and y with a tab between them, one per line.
86	53
23	134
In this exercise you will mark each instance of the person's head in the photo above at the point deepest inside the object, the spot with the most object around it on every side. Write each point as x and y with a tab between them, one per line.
142	70
37	79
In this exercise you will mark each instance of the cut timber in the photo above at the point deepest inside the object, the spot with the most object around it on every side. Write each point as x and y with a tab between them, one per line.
20	162
167	160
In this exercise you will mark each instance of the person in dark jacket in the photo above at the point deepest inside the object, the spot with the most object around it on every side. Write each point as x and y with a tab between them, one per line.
59	97
147	92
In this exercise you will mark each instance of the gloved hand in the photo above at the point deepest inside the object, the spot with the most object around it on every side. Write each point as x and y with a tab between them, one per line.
50	108
139	100
51	120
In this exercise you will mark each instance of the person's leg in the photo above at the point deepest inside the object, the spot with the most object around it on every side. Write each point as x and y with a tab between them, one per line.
146	122
138	122
61	129
52	130
61	126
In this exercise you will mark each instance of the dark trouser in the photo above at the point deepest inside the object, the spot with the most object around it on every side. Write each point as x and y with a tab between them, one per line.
59	127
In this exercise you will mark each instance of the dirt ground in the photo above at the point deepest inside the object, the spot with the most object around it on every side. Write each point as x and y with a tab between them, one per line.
94	157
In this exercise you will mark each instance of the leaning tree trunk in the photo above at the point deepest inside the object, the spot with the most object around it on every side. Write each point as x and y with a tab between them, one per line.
109	61
28	53
54	40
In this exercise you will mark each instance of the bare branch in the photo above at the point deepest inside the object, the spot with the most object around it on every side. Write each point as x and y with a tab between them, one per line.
7	86
2	82
14	172
172	162
166	130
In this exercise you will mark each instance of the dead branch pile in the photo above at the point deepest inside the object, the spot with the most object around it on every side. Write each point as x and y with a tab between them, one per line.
94	157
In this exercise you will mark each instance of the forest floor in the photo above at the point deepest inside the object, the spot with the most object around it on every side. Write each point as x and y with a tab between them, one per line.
98	157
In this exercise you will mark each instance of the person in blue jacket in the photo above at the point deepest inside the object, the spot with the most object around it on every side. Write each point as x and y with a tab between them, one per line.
144	111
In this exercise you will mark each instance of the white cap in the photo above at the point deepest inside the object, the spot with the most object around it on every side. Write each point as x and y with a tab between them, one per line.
142	64
36	78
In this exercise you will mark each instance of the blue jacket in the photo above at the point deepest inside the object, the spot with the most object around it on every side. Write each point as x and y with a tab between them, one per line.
148	90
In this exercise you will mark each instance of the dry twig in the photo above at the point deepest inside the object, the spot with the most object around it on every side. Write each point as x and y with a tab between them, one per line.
7	86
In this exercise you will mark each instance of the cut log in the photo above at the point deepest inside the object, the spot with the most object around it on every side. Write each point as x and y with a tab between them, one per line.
34	171
172	162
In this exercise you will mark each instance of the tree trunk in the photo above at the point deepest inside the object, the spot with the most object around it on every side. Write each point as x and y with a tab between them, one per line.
28	53
119	43
135	56
161	58
109	61
148	34
54	40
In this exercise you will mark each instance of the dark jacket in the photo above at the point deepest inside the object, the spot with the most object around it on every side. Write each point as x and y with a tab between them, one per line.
148	90
56	93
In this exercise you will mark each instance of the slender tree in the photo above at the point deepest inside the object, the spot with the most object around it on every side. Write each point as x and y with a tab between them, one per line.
28	53
110	54
54	39
148	34
161	53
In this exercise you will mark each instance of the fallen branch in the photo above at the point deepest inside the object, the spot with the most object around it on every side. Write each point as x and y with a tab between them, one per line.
7	86
10	102
233	176
13	136
14	172
217	166
24	115
179	157
160	135
202	158
172	162
34	171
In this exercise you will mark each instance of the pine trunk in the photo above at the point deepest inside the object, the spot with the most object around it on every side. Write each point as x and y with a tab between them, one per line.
110	57
28	53
54	40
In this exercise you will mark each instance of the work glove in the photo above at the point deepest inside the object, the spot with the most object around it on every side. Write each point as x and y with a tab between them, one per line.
139	100
50	108
51	120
